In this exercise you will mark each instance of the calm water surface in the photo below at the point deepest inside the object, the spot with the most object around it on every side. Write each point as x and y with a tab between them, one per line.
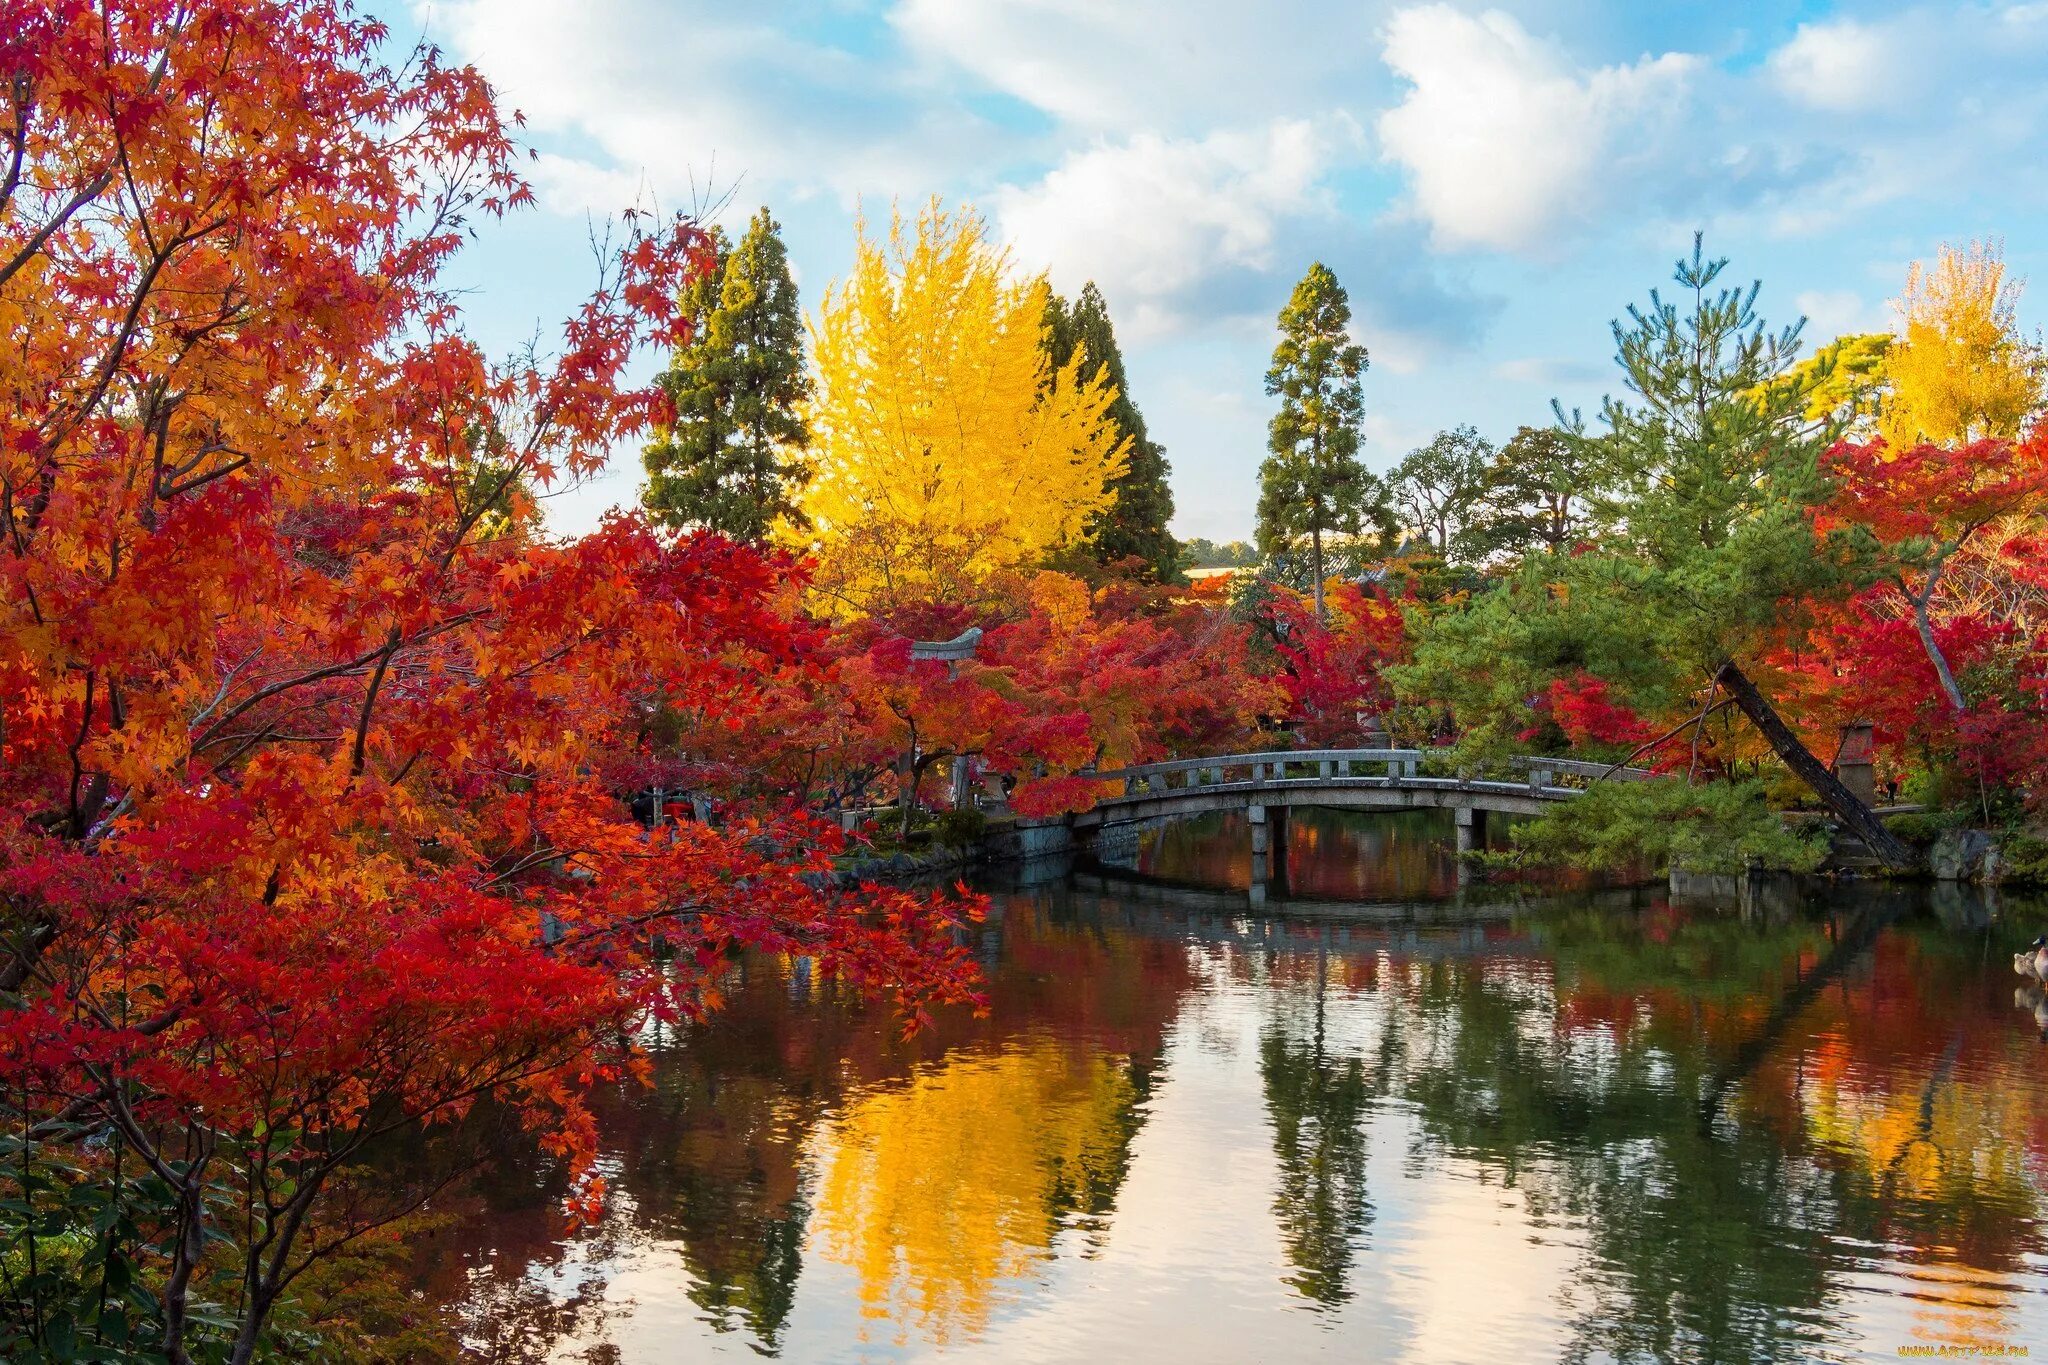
1379	1120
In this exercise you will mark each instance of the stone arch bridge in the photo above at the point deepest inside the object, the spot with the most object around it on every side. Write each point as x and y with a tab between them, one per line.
1266	786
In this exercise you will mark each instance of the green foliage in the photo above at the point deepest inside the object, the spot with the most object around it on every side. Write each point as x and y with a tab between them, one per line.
1700	490
489	488
72	1242
1134	526
2025	859
1708	957
1538	494
1716	827
1924	827
1317	1099
1199	553
1705	554
960	828
1554	617
1439	489
1715	434
83	1233
1714	467
1843	383
731	460
1312	484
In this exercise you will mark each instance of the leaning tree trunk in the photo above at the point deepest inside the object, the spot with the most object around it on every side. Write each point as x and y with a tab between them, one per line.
1859	818
1942	671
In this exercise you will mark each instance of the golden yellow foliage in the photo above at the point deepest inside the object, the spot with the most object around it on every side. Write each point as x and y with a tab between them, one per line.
946	449
934	1190
1936	1141
1961	372
1843	382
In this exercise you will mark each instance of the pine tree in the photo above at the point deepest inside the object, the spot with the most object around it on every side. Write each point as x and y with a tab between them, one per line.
1134	527
733	459
1312	483
1711	538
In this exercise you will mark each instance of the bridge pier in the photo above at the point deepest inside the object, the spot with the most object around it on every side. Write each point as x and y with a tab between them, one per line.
1471	826
1269	849
1269	828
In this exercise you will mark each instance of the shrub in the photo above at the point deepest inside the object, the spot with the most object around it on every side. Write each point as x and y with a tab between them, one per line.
960	828
1716	827
2026	859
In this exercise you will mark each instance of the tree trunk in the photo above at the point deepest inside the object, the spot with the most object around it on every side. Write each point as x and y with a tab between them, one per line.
1934	654
1853	942
1315	540
1857	817
188	1241
909	776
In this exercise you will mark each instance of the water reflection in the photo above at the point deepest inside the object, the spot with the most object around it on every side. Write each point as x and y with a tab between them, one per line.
1318	1095
1331	854
1607	1127
936	1190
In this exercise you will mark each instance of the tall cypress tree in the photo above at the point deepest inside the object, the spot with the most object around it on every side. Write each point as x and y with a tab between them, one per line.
733	458
1134	527
1312	484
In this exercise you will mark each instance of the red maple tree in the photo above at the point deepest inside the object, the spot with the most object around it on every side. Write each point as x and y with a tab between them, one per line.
311	747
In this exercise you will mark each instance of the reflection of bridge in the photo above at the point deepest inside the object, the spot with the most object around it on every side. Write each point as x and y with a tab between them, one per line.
1266	786
1430	930
1122	885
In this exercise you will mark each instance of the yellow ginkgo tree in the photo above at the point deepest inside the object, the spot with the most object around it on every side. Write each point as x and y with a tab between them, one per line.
1961	370
946	449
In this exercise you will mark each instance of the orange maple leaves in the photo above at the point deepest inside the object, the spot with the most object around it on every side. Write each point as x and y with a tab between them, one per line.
312	824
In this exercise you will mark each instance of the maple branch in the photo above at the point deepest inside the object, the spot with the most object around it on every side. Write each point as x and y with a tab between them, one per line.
187	485
355	761
77	745
1698	726
342	669
87	192
24	103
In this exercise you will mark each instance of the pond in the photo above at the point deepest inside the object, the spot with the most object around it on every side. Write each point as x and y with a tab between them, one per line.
1379	1119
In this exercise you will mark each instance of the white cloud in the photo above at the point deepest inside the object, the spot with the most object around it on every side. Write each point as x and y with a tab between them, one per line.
1506	144
565	184
1840	65
684	93
1214	231
1831	313
1917	66
1153	219
1159	65
1927	107
1550	370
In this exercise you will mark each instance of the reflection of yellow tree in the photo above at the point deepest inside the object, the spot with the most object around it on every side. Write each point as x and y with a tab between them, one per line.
935	1189
1948	1146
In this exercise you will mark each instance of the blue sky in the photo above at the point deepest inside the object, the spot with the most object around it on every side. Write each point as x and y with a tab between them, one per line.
1491	184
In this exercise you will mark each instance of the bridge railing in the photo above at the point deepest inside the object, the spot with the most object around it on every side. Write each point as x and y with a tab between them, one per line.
1539	773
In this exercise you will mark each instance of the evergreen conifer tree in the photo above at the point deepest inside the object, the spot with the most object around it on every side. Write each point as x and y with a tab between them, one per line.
1134	527
1312	484
733	458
